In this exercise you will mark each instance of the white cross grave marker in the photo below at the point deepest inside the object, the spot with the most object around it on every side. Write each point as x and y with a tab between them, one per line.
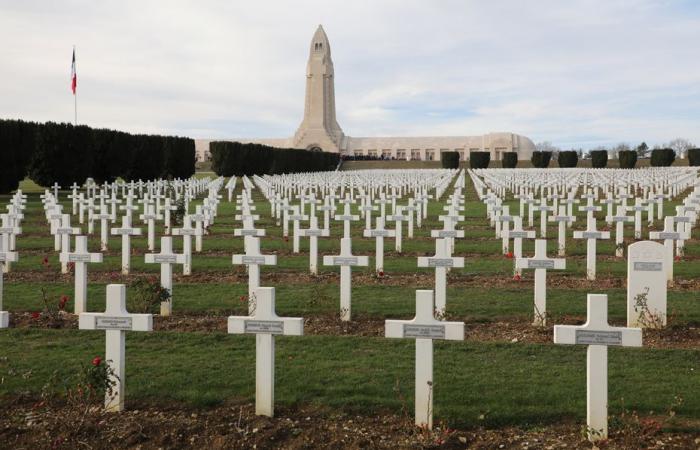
424	328
265	324
126	231
441	261
540	263
379	234
591	234
80	257
116	321
166	258
345	260
598	335
313	233
6	256
253	259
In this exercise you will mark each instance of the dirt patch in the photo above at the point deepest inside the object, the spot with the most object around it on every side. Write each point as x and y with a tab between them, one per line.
27	424
510	330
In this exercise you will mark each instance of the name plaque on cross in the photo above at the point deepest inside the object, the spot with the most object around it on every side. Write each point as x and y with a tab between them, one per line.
64	230
378	233
641	266
587	337
264	326
440	262
172	259
668	235
540	264
339	261
113	323
591	235
253	260
78	258
681	219
249	232
517	234
424	331
447	234
314	232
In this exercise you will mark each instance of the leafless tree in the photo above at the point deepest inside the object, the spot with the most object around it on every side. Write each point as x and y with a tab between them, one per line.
680	146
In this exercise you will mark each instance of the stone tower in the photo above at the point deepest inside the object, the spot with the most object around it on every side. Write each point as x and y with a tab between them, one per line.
319	129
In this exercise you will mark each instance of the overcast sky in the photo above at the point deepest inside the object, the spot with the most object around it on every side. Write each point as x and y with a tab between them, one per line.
576	73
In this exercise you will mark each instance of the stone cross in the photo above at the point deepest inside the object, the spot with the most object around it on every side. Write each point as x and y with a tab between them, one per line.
116	321
379	233
296	217
441	262
590	208
126	231
166	258
345	260
424	328
253	259
598	335
505	218
104	216
65	231
540	263
198	219
265	324
564	221
397	218
6	256
668	235
186	232
313	233
544	210
7	231
149	217
517	234
620	218
346	218
591	234
80	257
638	208
646	285
168	209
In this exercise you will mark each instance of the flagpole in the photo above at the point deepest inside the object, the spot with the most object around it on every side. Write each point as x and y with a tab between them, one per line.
75	97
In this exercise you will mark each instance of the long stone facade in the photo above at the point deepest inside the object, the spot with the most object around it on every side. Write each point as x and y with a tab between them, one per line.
319	129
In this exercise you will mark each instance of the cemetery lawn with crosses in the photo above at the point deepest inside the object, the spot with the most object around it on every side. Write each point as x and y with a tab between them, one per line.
507	379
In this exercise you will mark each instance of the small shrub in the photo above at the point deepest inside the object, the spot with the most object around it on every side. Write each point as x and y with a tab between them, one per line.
541	159
662	157
599	159
146	295
449	160
568	159
479	160
694	157
510	160
627	159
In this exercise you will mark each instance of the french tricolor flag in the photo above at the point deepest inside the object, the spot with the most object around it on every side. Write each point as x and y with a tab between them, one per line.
73	75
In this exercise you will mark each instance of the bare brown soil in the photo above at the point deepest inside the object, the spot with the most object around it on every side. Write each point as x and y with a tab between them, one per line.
509	330
26	424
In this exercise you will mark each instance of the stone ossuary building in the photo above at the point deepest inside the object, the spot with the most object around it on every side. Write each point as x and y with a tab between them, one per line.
319	130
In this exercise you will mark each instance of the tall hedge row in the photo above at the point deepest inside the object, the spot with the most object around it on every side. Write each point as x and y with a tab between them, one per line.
541	159
568	158
479	160
627	159
234	158
694	157
662	157
599	159
62	153
510	160
449	160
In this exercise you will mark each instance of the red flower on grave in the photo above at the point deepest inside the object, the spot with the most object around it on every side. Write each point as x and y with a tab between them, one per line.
62	303
677	258
286	239
45	261
36	315
96	361
509	255
243	298
381	273
516	277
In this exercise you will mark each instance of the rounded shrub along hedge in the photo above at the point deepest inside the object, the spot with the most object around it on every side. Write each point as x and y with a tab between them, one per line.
510	160
449	160
62	153
568	158
479	160
541	159
234	158
627	159
662	157
599	159
694	157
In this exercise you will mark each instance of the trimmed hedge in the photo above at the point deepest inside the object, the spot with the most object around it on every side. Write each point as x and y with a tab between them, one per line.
541	159
234	158
62	153
599	159
627	159
694	157
568	158
662	157
479	160
510	160
449	160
